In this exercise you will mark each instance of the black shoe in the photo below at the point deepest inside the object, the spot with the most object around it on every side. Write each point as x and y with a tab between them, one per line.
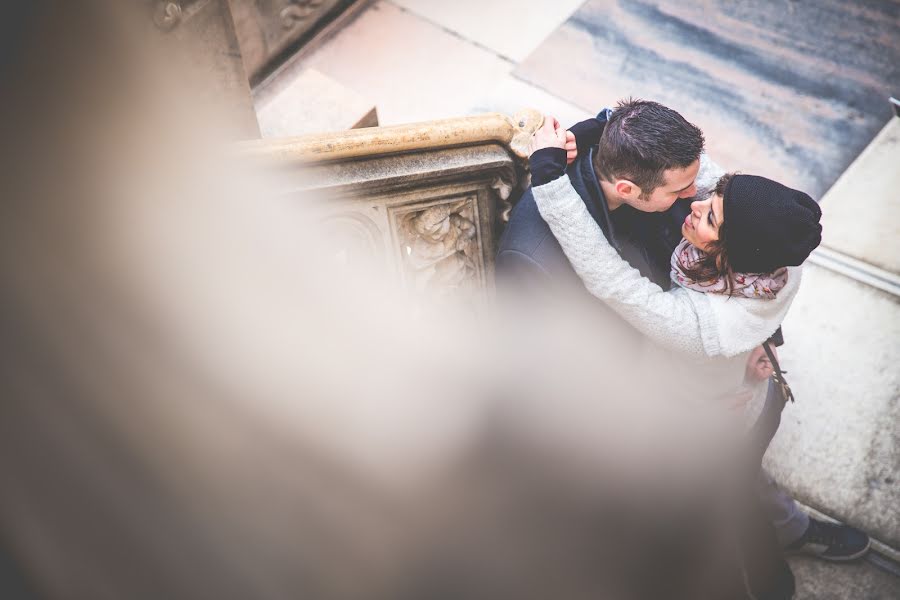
830	541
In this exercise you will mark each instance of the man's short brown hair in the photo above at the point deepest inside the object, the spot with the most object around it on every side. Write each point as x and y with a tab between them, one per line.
642	140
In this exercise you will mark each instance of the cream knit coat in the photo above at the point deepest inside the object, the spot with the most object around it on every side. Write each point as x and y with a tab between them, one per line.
711	334
682	319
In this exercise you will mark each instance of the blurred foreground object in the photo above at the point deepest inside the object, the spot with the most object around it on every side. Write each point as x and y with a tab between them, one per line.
209	393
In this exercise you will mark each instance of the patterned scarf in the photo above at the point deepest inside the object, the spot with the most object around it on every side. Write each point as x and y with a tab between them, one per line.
749	285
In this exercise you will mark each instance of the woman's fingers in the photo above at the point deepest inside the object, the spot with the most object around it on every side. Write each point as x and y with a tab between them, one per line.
561	137
741	398
571	147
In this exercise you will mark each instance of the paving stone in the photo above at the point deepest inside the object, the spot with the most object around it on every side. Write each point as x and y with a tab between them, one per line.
793	93
411	69
820	580
314	103
511	28
838	448
512	94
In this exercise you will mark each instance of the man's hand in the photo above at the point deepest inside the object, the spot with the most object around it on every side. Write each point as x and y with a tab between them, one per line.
549	135
571	148
741	398
759	367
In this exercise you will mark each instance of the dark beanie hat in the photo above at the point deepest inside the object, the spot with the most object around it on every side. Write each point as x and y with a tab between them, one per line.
767	225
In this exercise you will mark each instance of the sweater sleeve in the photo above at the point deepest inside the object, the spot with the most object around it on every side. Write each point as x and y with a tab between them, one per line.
673	320
546	165
587	133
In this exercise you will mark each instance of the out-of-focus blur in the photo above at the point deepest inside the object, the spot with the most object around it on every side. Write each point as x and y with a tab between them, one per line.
200	398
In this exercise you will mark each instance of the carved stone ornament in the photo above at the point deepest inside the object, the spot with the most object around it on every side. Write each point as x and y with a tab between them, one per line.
297	11
167	14
353	240
504	189
439	245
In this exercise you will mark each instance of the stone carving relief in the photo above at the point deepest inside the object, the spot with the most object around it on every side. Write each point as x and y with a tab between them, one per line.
354	241
167	14
298	10
440	245
504	189
268	31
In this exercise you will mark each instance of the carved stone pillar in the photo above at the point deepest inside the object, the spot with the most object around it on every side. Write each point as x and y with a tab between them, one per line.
269	31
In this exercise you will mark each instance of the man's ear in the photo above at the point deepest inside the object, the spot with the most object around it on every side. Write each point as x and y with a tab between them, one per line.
627	189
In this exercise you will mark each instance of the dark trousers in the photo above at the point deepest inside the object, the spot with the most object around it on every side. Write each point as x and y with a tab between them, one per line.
780	508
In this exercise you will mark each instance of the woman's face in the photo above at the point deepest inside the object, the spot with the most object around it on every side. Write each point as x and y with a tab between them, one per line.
702	226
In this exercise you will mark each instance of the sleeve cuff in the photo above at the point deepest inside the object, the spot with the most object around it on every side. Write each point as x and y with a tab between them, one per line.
547	164
777	338
587	133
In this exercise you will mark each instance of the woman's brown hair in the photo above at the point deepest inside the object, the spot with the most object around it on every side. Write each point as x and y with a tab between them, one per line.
714	265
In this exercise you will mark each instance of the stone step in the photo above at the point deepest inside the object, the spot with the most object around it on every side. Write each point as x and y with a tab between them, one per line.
820	580
861	212
837	449
313	103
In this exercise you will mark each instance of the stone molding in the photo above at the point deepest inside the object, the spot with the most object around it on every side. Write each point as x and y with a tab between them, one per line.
511	132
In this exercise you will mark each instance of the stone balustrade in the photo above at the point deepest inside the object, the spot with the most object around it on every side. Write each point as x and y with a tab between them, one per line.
430	198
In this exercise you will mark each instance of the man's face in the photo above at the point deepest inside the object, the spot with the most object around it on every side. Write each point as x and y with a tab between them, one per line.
678	183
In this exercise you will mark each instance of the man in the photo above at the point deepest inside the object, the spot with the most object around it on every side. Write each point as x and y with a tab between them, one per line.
637	183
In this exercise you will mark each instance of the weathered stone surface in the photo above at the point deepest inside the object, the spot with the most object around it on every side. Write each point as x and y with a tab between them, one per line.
820	580
431	215
861	212
510	28
435	214
510	94
269	31
314	103
793	93
199	37
513	133
838	448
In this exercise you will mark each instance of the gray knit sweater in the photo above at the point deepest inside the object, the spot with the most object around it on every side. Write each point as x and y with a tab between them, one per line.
682	319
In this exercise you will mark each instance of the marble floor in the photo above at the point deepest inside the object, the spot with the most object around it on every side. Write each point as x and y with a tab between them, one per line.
790	90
